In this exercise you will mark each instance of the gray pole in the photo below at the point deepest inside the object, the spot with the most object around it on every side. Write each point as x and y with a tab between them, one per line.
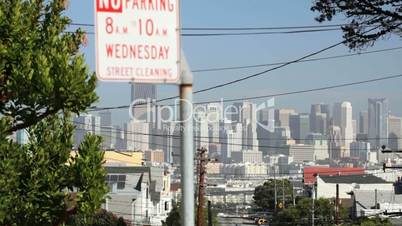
187	146
283	193
276	200
312	212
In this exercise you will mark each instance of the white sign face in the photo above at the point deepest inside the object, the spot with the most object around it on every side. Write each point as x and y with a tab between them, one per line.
137	40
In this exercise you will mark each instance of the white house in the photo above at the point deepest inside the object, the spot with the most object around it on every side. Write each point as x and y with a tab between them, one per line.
139	194
326	185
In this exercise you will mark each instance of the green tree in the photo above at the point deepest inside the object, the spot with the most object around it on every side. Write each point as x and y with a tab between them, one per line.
264	195
301	214
369	20
173	218
101	218
43	79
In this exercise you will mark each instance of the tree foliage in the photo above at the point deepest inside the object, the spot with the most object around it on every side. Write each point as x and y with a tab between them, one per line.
264	195
324	214
43	79
101	218
302	212
369	20
173	218
41	184
41	69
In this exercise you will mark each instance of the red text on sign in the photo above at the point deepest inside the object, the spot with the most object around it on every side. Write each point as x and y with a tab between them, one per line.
109	6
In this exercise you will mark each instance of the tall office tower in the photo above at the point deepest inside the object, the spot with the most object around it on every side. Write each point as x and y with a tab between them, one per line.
201	130
378	121
246	113
319	115
354	126
299	127
360	150
105	118
334	142
119	134
282	117
231	139
214	117
343	119
363	122
320	145
395	133
84	124
136	137
168	141
107	131
142	93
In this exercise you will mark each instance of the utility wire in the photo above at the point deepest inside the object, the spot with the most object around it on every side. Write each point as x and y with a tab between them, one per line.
262	96
302	61
238	28
244	33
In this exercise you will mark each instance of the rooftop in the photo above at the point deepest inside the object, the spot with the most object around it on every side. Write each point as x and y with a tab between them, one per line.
358	179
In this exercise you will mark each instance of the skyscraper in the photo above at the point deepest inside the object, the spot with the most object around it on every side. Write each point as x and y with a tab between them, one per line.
282	117
319	115
395	133
142	93
363	122
136	137
84	124
105	118
343	119
378	121
299	126
246	113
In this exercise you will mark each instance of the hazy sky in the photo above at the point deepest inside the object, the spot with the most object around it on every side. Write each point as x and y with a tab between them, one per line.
207	52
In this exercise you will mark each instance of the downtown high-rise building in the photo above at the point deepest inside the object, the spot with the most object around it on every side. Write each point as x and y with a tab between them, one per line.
84	124
246	114
378	121
319	118
299	126
281	117
231	139
107	131
142	93
395	133
363	122
137	136
342	118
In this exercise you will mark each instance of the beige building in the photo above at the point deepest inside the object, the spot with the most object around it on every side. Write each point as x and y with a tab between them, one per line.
247	156
154	156
121	158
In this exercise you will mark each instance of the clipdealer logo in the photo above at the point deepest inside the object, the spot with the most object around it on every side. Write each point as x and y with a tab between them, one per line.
111	6
169	113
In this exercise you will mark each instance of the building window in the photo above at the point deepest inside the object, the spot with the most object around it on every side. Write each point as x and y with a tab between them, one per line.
120	180
146	195
166	206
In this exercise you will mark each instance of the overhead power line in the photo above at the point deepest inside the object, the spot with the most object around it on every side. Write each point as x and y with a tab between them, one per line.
302	61
239	28
268	95
245	33
259	33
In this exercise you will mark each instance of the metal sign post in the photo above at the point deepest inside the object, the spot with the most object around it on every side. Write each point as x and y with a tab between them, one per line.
187	145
